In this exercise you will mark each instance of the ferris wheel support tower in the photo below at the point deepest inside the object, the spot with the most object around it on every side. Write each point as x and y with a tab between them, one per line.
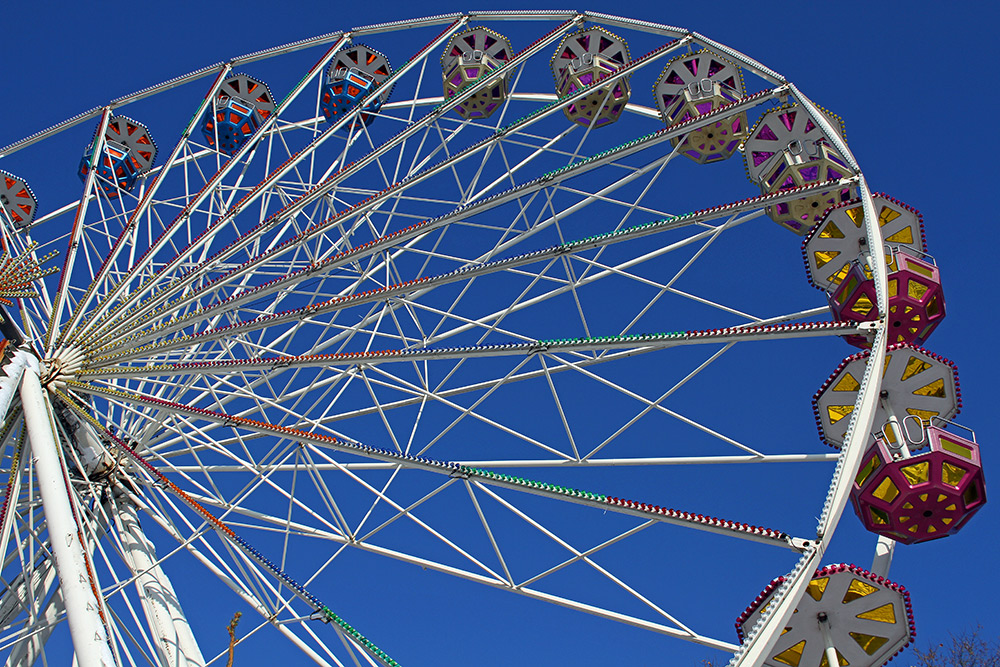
174	640
77	581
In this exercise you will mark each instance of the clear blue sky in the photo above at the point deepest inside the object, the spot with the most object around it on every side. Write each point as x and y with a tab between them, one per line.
915	85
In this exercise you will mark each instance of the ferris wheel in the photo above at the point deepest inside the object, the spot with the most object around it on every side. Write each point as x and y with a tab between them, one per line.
504	299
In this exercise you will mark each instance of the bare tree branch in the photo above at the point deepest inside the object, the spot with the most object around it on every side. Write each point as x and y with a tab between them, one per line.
232	636
966	649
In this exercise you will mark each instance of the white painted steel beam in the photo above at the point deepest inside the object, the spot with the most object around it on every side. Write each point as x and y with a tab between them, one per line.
86	626
323	188
540	463
96	155
884	548
273	178
147	198
171	632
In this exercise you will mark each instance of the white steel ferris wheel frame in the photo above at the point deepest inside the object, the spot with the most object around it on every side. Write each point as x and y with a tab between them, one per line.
87	339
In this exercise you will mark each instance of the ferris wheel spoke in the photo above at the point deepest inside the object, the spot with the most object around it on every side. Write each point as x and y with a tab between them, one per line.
376	154
547	597
97	149
425	283
696	218
619	347
321	190
585	555
270	462
829	457
649	513
575	345
211	184
581	167
266	470
256	262
491	321
245	556
577	555
144	203
442	395
418	461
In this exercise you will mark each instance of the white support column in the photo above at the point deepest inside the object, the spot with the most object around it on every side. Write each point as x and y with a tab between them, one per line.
882	561
86	627
171	633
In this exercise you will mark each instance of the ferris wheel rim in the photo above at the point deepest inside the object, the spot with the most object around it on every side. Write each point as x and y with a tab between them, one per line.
838	496
377	28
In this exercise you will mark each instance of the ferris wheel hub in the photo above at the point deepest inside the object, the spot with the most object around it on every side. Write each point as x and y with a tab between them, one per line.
61	366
